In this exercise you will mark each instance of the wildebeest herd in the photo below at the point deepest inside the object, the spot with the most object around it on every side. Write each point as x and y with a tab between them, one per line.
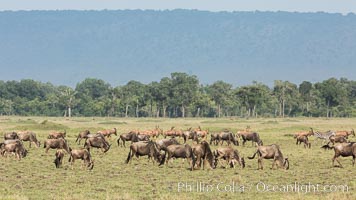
162	147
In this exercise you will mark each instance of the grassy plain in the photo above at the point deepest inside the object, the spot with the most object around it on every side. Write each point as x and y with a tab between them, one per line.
35	176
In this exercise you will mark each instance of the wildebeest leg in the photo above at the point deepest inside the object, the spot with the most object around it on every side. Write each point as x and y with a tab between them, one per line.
260	164
353	160
337	160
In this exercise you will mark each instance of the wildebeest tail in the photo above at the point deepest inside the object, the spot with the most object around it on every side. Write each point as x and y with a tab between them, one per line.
253	156
128	157
118	141
325	147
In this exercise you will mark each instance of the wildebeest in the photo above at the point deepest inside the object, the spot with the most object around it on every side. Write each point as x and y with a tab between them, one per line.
57	135
28	136
203	153
97	142
82	154
189	134
131	136
180	151
271	152
228	137
344	150
59	143
345	133
214	138
230	155
11	136
13	147
59	158
164	143
145	148
250	136
82	135
108	132
337	139
303	139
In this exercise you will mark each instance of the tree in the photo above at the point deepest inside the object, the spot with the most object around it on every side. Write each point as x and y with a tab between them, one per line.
220	92
67	97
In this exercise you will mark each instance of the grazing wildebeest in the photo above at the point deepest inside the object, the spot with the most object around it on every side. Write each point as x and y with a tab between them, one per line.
203	153
97	142
214	137
271	152
189	134
57	135
345	133
303	139
13	147
250	136
108	132
344	150
228	137
28	136
131	136
180	151
82	135
337	139
145	148
59	158
59	143
164	143
230	155
11	136
82	154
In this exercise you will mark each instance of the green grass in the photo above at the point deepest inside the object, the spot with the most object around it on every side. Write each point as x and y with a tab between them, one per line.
35	176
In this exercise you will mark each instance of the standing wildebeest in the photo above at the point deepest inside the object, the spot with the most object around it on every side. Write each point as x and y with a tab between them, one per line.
133	137
97	142
271	152
59	158
108	132
82	135
180	151
228	137
345	133
57	135
14	146
189	134
344	150
11	136
203	153
59	143
250	136
28	136
164	143
304	139
337	139
82	154
144	148
230	155
214	137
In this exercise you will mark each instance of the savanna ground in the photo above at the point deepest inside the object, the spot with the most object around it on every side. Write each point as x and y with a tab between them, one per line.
35	177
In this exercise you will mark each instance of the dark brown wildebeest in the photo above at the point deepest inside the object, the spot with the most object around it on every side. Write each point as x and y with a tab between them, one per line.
337	139
164	143
345	133
97	142
303	139
57	135
29	136
230	155
250	136
271	152
189	134
82	135
82	154
131	136
59	158
180	151
108	132
214	137
228	137
344	150
203	153
145	148
59	143
11	136
13	147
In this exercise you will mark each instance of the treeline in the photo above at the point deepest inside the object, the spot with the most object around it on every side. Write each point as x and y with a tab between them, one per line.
180	95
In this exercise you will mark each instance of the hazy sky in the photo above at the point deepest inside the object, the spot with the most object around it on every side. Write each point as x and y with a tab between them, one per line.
332	6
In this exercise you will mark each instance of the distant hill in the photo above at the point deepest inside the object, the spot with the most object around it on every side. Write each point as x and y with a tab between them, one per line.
64	47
